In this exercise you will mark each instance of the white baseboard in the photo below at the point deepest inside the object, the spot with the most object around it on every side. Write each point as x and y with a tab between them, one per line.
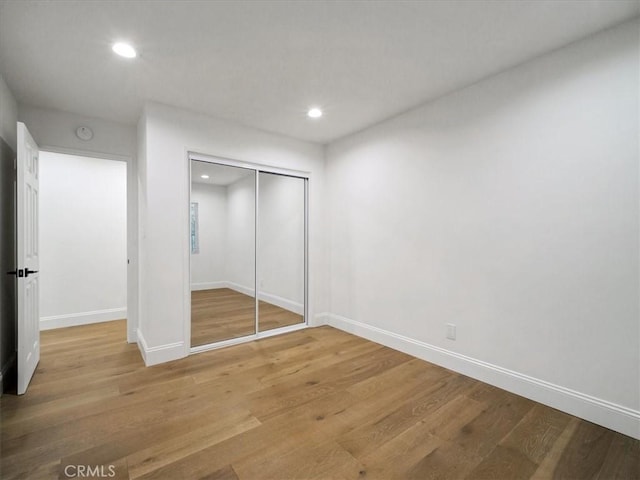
82	318
208	285
616	417
132	332
281	302
3	371
240	288
161	353
321	319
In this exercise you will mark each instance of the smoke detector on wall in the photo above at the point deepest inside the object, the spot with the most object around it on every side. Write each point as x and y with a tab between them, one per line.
84	133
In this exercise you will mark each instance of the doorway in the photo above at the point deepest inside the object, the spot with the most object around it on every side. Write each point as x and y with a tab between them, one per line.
248	251
83	240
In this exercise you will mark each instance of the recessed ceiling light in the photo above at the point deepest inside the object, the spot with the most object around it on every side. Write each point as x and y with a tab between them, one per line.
314	112
124	50
204	176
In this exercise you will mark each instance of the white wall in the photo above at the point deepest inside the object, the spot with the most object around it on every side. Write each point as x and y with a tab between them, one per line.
83	240
509	208
208	265
169	133
54	130
8	140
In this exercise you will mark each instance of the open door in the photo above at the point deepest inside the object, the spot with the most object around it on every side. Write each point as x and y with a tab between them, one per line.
27	258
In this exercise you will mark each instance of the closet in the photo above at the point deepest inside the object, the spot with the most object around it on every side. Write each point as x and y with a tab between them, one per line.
248	249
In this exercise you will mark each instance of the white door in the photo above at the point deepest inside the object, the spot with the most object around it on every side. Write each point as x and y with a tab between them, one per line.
28	258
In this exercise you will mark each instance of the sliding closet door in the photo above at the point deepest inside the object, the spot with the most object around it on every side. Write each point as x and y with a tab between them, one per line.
223	200
281	251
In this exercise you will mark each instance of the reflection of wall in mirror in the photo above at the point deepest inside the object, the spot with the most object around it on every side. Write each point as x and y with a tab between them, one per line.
240	258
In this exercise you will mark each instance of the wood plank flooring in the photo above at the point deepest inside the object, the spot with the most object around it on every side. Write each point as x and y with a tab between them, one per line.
313	404
222	314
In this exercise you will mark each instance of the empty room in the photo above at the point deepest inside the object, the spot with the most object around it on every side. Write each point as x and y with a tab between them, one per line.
330	239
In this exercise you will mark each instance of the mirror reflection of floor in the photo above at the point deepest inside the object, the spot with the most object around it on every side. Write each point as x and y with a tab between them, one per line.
222	314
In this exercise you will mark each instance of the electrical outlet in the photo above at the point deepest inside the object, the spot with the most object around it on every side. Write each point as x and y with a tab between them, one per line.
451	331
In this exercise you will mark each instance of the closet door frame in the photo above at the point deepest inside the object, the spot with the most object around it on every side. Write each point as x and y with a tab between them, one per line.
257	169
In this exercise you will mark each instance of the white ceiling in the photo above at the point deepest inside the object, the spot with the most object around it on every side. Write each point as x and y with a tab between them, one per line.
263	63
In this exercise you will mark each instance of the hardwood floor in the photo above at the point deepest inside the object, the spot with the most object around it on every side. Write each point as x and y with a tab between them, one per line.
222	314
317	403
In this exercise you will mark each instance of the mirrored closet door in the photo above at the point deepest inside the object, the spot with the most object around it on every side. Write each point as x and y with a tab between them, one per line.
247	234
222	243
281	230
